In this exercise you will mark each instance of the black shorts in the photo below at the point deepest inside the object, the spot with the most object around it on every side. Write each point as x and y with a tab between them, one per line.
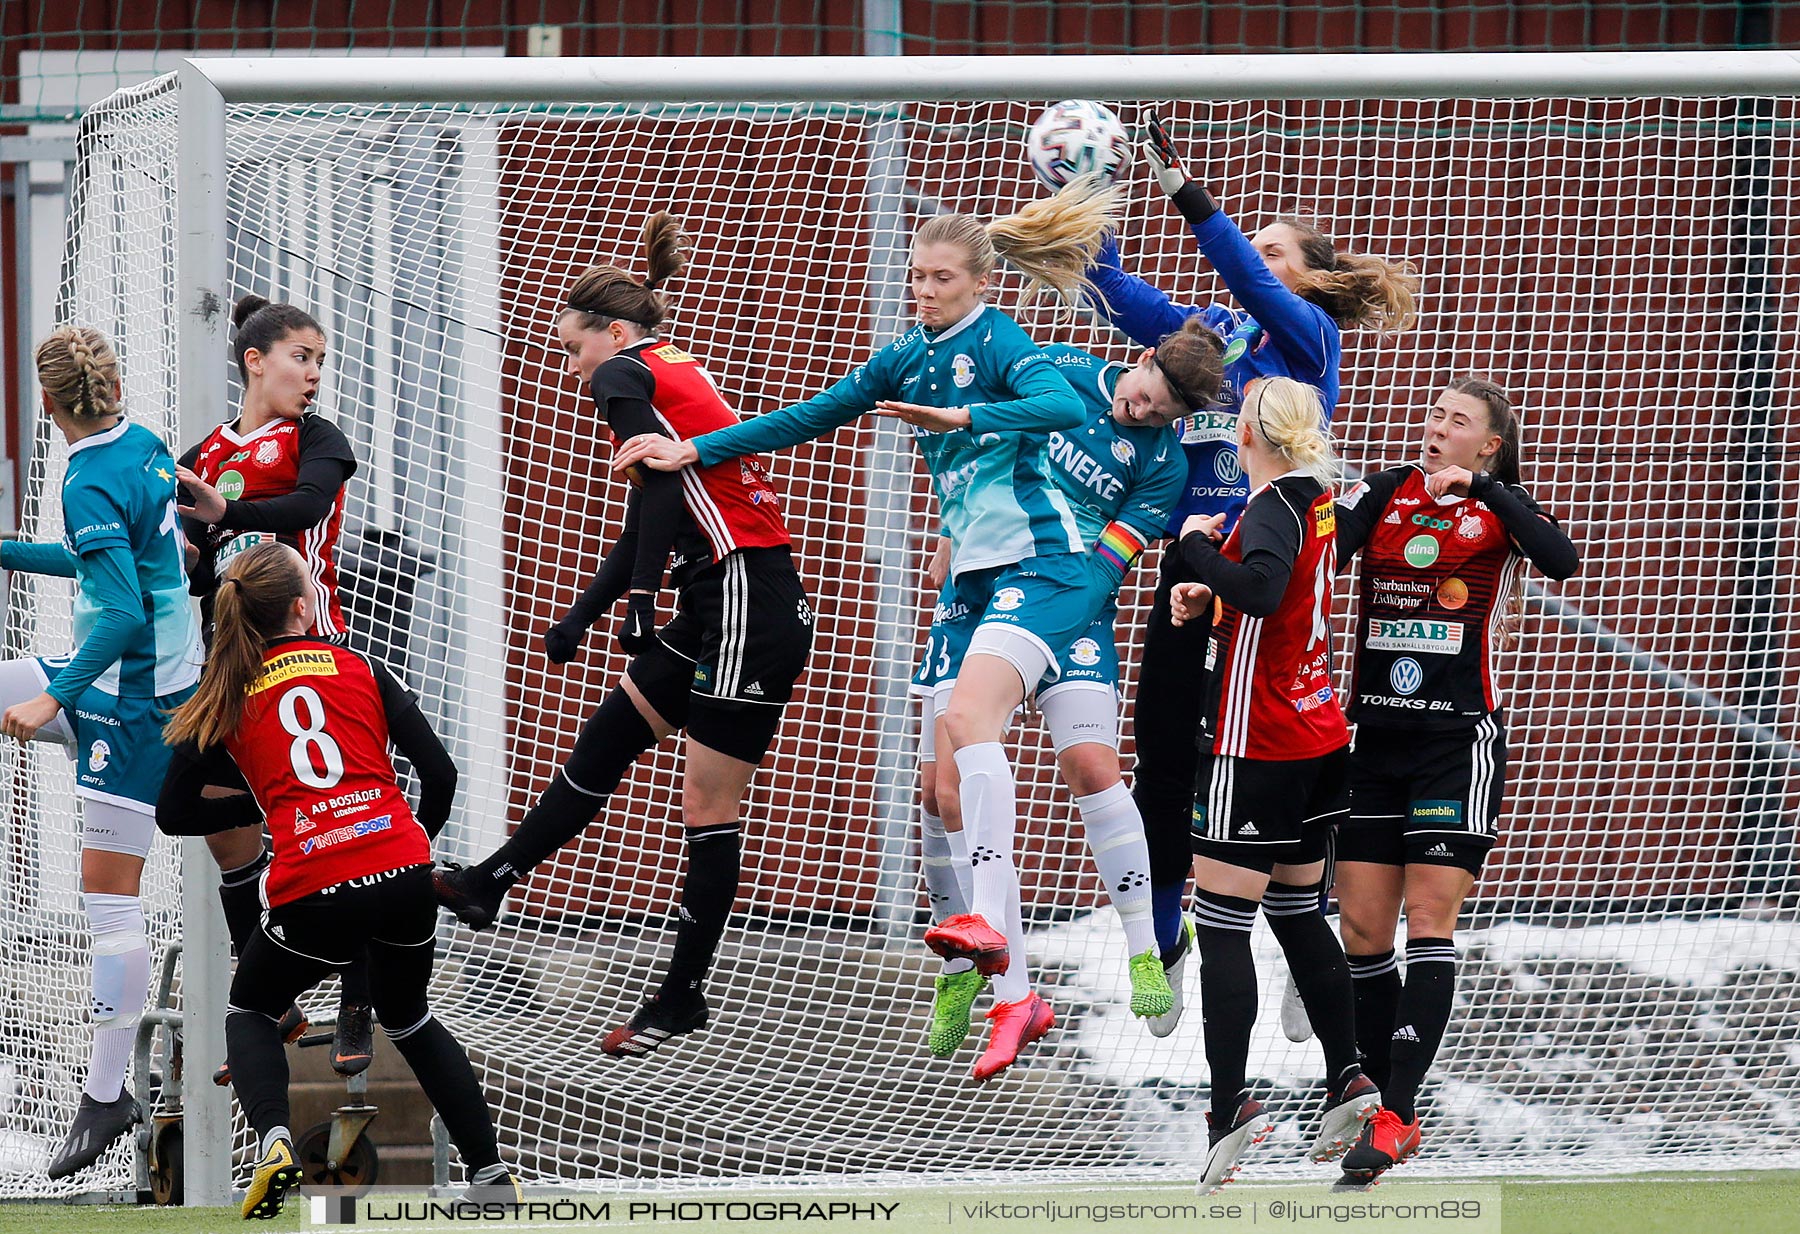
726	665
391	917
1419	797
1261	813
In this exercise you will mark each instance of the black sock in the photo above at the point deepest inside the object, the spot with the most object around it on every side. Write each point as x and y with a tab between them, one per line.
443	1071
259	1069
1227	995
612	739
353	983
1316	959
240	895
1420	1021
1377	981
706	900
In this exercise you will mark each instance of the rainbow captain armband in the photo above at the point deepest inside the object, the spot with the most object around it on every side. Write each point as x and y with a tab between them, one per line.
1119	546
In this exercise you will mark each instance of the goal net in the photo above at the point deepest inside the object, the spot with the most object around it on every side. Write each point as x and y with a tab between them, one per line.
1629	993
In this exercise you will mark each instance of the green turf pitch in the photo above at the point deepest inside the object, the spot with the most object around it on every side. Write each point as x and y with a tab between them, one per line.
1759	1202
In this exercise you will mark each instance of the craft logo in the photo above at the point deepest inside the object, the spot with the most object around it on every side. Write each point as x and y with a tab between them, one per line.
1420	551
1406	675
962	371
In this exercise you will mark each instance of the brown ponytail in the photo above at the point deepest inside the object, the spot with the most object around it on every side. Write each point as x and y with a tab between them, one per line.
1192	362
250	608
605	294
1503	420
1357	290
77	367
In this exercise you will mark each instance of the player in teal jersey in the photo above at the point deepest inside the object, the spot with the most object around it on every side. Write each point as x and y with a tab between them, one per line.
137	656
982	400
1122	472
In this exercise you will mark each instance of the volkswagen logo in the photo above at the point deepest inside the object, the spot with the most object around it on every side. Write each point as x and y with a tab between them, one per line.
1406	675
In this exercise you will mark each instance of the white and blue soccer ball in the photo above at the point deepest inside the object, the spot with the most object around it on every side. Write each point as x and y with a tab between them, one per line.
1077	138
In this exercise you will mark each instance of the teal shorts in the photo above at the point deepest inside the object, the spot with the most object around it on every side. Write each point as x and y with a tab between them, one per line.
119	752
1092	659
1041	604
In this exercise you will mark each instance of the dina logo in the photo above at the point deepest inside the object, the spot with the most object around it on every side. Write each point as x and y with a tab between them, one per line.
1420	551
99	755
230	485
1406	676
1235	351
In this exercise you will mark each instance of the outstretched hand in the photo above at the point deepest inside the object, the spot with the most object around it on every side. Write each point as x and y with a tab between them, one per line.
933	419
656	452
1159	151
209	503
1189	602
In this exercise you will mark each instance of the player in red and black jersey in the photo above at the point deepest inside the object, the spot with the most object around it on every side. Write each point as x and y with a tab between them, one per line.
723	669
1442	543
276	472
304	725
1272	775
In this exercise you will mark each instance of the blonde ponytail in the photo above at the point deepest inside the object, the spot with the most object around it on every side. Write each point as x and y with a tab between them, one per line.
1055	239
77	367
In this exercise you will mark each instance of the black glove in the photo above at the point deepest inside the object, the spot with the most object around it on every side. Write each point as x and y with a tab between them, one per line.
638	631
562	641
1191	198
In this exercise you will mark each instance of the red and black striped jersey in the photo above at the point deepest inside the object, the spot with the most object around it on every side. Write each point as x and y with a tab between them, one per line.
313	748
264	464
733	504
1435	575
1270	692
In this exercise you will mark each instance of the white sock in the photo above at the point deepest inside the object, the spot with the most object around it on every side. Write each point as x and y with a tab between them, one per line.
938	864
959	863
120	983
990	813
1115	835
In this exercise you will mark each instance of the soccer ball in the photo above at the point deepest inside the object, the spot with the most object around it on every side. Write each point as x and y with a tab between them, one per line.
1074	138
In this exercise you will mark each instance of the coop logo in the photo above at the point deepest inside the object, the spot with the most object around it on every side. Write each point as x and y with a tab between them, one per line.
1422	519
99	755
1008	598
962	371
1406	676
1227	467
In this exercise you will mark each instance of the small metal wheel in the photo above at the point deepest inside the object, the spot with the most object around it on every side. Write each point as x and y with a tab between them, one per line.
359	1169
165	1163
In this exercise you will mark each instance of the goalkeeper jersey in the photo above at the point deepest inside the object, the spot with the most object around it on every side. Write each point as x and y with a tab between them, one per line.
996	499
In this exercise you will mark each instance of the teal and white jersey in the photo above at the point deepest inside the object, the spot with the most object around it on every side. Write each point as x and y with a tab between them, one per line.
119	493
996	499
1127	473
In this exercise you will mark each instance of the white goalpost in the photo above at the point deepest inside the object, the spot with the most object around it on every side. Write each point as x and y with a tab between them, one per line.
1612	237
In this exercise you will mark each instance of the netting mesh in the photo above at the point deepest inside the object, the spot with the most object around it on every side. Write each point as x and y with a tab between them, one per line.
1625	266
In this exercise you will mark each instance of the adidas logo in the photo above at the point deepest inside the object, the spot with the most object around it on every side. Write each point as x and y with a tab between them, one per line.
754	689
1249	829
1393	517
1406	1032
1439	850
